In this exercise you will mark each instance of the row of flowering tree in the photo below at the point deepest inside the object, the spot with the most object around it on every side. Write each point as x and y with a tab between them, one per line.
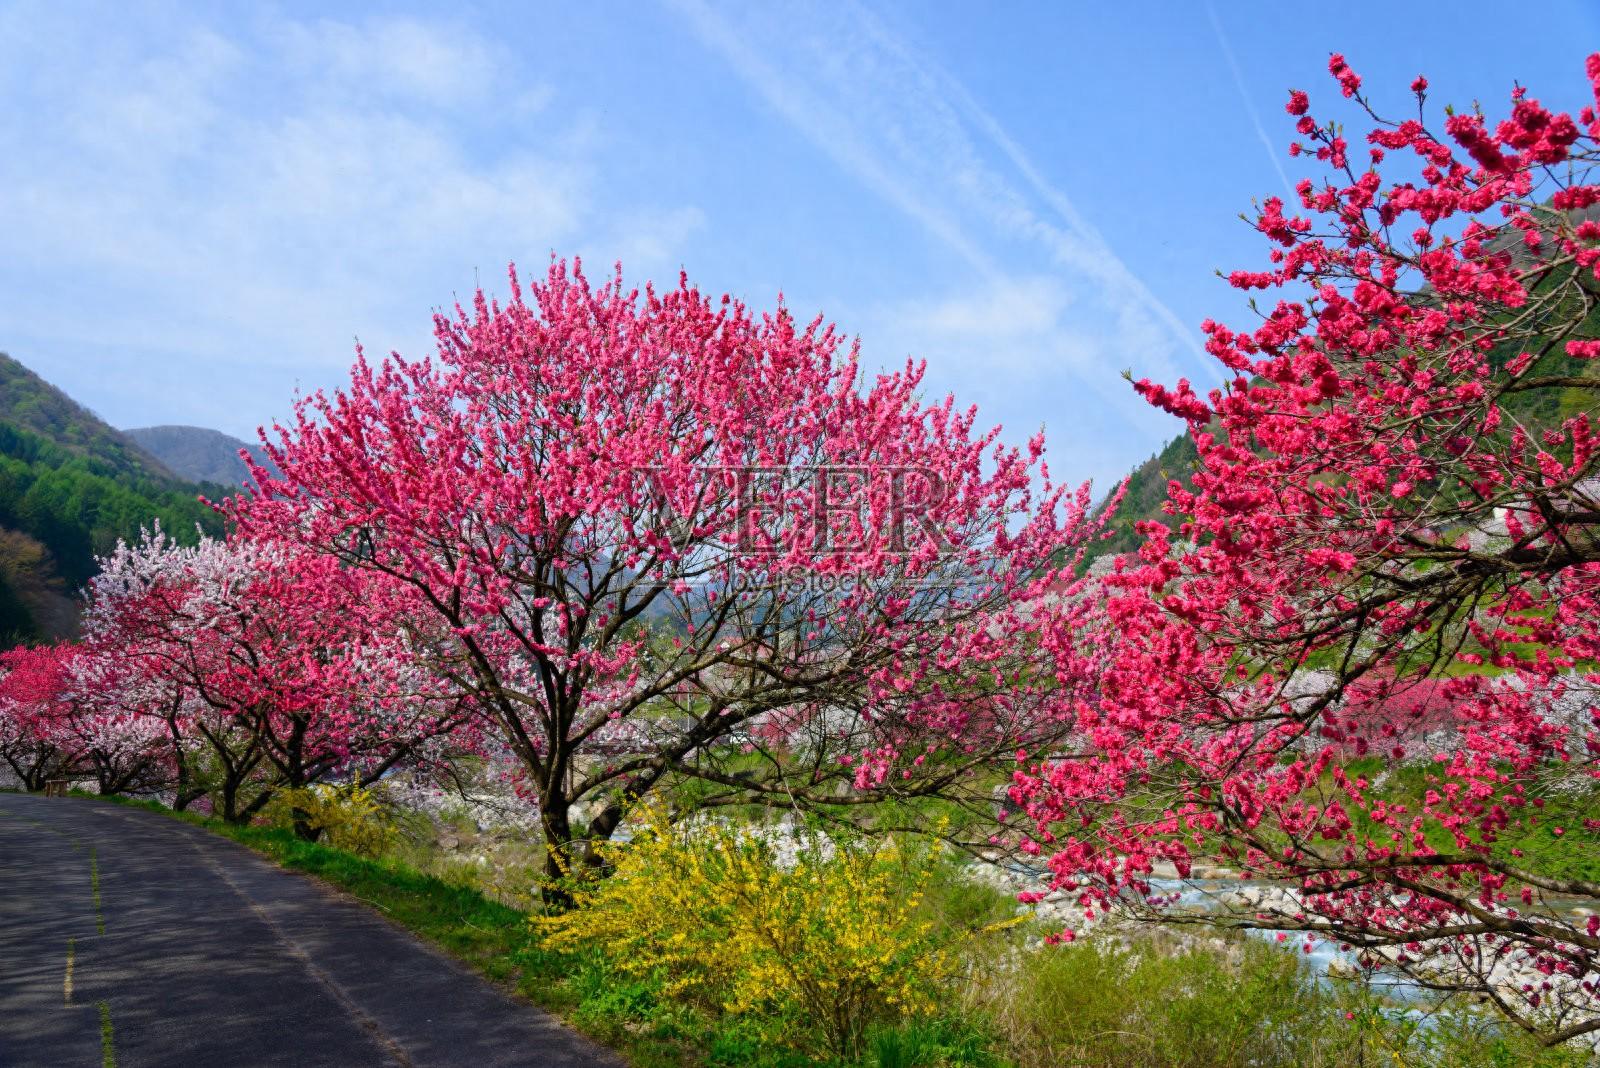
227	669
56	723
621	545
293	670
1389	552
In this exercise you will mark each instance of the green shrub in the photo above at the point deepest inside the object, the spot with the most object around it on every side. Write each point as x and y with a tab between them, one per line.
1158	1004
1156	1001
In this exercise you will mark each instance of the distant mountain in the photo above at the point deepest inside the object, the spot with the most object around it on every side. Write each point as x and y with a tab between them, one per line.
70	486
198	453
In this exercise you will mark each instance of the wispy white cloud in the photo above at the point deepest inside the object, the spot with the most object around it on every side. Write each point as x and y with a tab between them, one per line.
247	197
170	176
1273	151
1080	246
838	106
204	211
1036	298
401	57
1018	308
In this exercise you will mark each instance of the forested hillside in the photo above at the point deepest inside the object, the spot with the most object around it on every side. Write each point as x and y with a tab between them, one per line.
70	486
1147	490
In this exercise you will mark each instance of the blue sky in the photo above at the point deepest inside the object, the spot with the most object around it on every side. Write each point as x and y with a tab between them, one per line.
201	206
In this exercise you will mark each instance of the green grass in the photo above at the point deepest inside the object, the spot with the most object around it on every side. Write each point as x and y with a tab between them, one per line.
94	886
1531	842
108	1045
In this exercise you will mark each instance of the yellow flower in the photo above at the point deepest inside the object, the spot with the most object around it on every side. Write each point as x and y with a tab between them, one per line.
833	940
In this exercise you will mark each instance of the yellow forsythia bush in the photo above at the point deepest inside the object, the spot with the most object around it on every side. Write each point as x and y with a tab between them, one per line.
824	946
348	817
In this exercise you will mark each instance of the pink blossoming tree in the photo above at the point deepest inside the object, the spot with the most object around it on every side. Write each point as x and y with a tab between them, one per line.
285	670
1393	534
61	717
34	690
672	543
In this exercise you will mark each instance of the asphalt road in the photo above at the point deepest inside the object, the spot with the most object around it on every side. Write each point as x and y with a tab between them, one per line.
129	938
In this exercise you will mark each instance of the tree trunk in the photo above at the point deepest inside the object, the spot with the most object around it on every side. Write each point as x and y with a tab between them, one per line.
554	821
303	827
